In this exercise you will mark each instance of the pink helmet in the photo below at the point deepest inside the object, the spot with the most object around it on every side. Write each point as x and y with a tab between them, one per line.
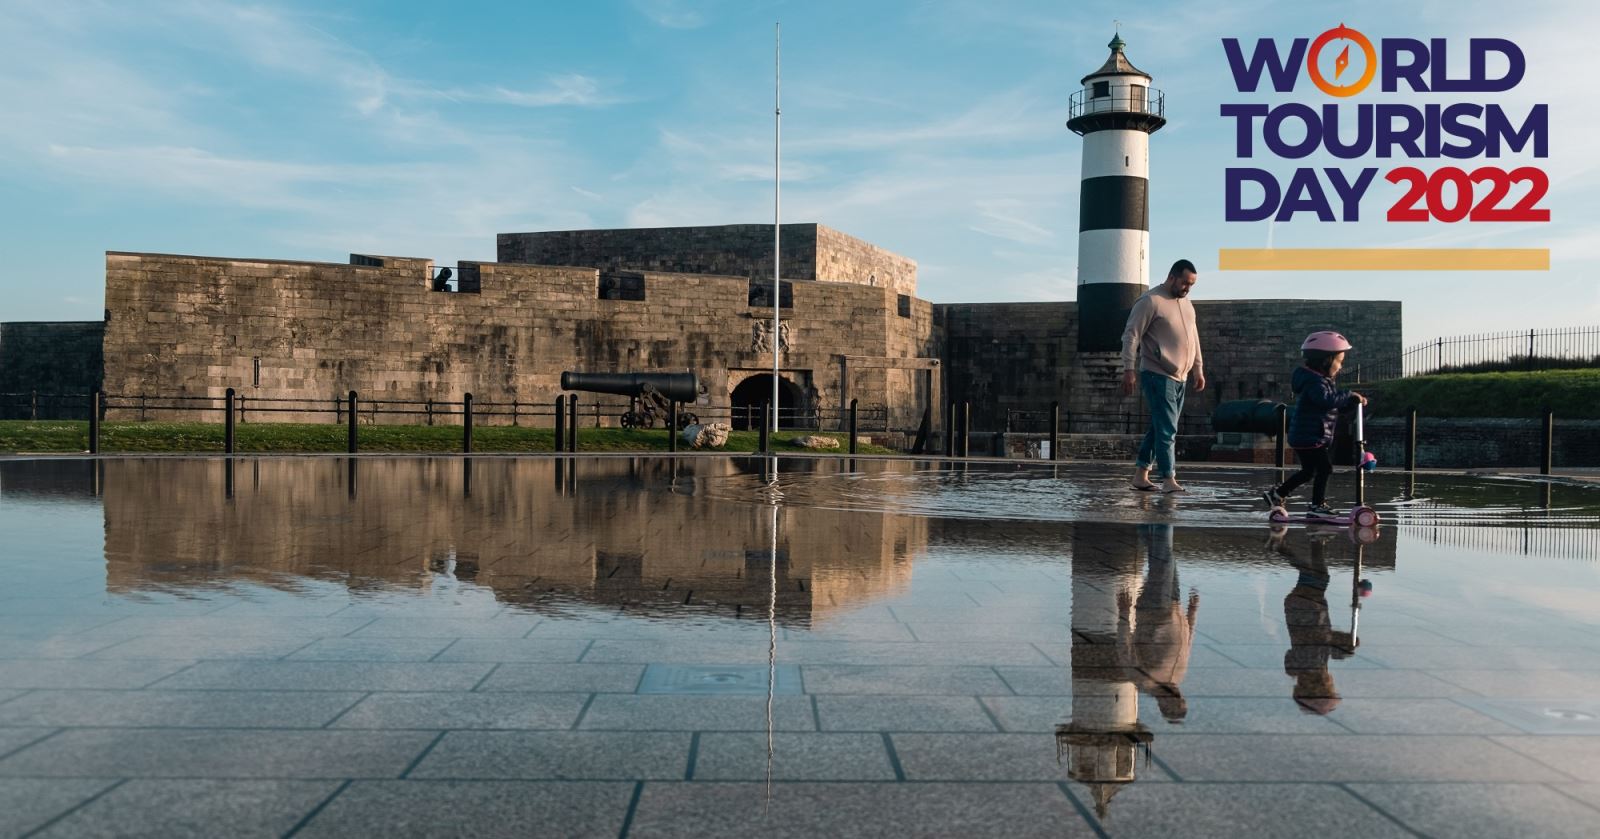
1326	342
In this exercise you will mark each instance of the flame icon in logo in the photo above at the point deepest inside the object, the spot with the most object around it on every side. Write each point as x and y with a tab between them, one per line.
1340	63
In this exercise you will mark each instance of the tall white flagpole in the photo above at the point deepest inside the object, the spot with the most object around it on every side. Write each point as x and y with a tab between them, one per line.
777	186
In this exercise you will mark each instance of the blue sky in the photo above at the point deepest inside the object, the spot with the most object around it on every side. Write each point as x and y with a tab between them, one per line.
305	130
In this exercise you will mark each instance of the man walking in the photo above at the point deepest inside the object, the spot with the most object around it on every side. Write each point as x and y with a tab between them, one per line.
1160	349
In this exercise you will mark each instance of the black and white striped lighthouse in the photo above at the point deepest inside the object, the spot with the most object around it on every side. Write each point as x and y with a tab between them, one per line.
1115	112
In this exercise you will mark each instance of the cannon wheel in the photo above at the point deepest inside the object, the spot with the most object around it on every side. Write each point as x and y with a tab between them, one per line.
631	419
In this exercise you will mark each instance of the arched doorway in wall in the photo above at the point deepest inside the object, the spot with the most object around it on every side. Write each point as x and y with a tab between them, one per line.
749	395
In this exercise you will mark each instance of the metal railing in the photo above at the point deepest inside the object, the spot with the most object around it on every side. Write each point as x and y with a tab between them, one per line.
1523	349
1085	103
1096	422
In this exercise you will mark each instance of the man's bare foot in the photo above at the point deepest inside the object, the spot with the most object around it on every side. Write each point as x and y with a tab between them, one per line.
1141	479
1171	485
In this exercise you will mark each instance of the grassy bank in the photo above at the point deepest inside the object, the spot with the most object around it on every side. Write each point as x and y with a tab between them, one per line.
1572	394
22	436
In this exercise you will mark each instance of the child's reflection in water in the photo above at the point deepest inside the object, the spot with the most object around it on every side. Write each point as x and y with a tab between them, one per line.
1312	639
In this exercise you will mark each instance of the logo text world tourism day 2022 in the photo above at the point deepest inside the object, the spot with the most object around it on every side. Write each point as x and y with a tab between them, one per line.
1341	63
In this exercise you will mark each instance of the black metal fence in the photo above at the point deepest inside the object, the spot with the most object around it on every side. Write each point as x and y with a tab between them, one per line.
1096	422
1528	349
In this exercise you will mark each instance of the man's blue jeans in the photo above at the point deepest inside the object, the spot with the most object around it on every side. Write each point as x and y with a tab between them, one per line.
1165	398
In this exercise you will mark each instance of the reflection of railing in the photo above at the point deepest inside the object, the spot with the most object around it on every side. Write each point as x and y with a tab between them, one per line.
1557	542
1084	103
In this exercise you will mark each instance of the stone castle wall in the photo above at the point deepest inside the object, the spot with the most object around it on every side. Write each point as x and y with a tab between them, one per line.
1023	356
810	252
183	325
52	358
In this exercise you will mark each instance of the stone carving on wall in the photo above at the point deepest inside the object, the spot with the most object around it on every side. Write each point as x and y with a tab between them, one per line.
761	337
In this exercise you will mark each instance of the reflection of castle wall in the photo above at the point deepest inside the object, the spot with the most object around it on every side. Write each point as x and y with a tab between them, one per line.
609	532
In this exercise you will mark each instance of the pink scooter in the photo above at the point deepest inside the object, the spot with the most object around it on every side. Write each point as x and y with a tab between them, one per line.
1360	515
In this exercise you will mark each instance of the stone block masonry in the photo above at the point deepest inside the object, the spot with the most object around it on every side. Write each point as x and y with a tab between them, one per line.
194	326
810	252
48	358
1023	356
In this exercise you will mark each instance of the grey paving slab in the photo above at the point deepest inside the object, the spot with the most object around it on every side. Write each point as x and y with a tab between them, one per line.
1037	681
697	713
610	626
886	630
959	680
1483	811
730	756
986	757
184	648
584	678
1577	757
49	625
224	626
176	708
1587	793
26	804
1338	758
8	695
515	649
1039	714
173	808
983	653
1365	715
370	649
217	753
1270	656
942	631
902	713
328	675
1464	657
1235	715
854	811
558	755
56	646
1414	684
680	651
499	626
12	739
83	673
1274	633
462	809
1225	811
1525	684
438	710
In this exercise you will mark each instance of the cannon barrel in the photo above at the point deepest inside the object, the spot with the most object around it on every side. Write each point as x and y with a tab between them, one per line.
679	387
1257	416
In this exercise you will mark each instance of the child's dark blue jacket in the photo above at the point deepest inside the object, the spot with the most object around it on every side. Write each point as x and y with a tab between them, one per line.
1316	409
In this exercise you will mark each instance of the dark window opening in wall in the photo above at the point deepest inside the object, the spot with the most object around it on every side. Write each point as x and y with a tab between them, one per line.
1101	90
255	371
904	304
761	294
621	285
365	261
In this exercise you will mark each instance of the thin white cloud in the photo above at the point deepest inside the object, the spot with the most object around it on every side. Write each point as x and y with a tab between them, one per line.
674	14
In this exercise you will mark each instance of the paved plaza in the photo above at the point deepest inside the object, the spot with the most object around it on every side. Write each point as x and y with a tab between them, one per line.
625	647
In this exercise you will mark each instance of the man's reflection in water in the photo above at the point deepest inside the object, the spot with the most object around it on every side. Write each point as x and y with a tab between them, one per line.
1130	633
1312	639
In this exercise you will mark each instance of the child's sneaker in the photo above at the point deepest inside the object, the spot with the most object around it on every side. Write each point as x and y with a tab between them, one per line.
1272	497
1323	511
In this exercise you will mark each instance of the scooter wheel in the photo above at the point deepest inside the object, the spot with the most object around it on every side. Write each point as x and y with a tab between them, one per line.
1366	517
1278	515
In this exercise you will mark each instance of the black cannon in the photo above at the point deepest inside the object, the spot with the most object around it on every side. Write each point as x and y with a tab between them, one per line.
1256	416
650	394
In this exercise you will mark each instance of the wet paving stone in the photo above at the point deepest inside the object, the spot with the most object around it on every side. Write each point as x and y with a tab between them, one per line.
1010	650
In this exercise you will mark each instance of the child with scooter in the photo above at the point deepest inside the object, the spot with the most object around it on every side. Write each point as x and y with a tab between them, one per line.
1317	404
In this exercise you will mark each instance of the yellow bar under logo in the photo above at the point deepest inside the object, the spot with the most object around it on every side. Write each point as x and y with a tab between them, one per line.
1383	259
